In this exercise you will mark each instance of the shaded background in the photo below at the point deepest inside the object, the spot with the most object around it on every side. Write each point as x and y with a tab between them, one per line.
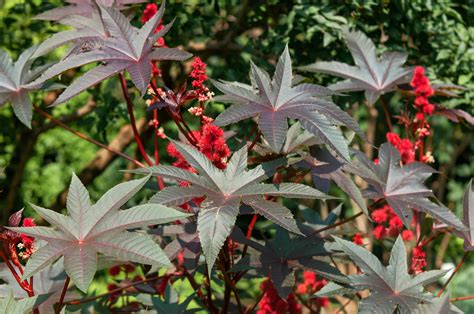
438	35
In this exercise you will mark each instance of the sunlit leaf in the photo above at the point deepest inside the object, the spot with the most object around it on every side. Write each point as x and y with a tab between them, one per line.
225	190
99	228
372	74
275	101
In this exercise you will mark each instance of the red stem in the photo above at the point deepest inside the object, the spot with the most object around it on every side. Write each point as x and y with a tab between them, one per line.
454	272
84	137
252	308
251	226
428	240
31	284
23	284
201	105
387	114
63	294
257	137
346	220
417	226
114	291
421	152
343	306
189	135
128	100
161	184
469	297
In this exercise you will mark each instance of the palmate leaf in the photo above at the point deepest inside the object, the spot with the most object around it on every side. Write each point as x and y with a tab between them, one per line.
170	303
99	228
23	306
326	168
89	34
403	188
185	241
49	282
83	7
371	74
15	79
296	138
468	219
275	101
390	287
438	305
313	222
126	48
225	190
283	255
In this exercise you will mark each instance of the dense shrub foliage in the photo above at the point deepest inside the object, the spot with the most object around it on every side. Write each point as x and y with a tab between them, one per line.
238	157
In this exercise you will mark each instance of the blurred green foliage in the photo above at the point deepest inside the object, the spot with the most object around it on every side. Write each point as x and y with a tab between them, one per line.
438	35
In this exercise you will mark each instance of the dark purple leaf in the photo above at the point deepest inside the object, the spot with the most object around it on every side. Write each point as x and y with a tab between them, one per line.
83	7
283	255
390	287
455	115
404	190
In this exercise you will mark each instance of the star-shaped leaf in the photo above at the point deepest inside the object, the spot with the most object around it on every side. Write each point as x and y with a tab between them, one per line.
296	139
15	79
390	287
225	190
438	305
403	188
280	257
126	48
49	282
23	306
371	74
83	7
313	222
275	101
325	167
170	304
468	204
89	34
185	240
99	228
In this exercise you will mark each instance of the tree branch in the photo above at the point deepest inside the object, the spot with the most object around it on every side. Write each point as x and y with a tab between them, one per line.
103	158
78	114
